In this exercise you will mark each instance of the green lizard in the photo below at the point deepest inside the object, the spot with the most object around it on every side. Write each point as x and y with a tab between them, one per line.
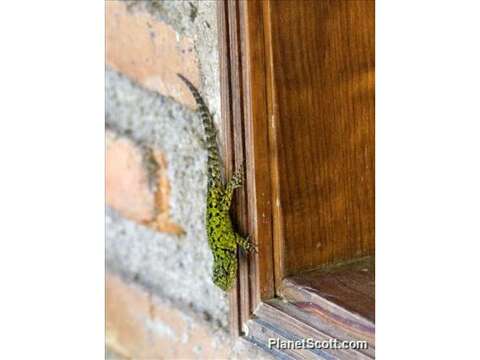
222	238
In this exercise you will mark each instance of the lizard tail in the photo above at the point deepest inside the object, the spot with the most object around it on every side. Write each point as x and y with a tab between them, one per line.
210	131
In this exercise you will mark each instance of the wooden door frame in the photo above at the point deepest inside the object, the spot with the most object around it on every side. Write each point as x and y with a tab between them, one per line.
246	116
249	137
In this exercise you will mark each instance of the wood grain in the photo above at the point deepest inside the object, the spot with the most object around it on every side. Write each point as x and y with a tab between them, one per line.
342	296
257	150
276	319
225	97
244	118
323	78
297	82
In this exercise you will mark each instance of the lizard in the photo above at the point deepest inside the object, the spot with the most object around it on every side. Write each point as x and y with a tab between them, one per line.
222	238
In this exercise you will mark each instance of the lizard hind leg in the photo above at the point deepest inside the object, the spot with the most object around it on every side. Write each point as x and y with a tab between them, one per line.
245	243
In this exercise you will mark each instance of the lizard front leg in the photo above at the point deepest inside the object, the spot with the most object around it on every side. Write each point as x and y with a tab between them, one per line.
245	243
234	183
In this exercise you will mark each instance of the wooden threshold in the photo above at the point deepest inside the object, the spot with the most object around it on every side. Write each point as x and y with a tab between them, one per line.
350	287
336	303
279	319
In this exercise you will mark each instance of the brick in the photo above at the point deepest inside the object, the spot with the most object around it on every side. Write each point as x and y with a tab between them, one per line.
150	52
161	220
128	185
127	181
141	326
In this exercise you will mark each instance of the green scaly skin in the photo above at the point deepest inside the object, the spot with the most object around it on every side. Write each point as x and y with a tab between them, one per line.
222	238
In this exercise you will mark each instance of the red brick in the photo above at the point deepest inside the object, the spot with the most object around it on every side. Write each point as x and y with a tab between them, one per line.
150	52
127	185
162	221
127	181
141	326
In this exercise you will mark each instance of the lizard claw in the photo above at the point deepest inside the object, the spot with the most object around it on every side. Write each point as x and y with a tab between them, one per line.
251	246
238	177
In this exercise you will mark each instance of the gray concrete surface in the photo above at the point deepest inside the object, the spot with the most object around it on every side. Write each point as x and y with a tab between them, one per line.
177	268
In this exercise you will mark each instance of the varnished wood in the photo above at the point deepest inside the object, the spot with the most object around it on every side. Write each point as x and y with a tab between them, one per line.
297	83
342	296
275	194
277	319
244	117
226	135
350	286
240	210
323	69
257	147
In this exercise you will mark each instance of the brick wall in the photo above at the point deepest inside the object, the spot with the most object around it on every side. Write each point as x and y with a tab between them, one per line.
161	302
